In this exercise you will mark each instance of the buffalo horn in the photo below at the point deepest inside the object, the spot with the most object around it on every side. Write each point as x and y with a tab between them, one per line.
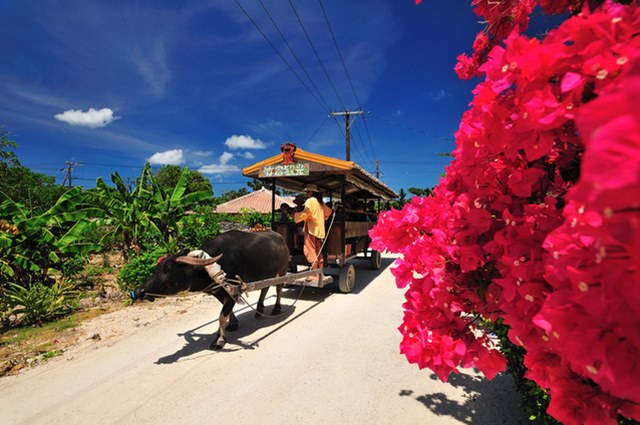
192	261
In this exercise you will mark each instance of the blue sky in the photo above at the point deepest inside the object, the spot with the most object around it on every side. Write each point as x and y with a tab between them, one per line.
111	84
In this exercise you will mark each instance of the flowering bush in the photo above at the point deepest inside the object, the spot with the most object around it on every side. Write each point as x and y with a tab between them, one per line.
537	221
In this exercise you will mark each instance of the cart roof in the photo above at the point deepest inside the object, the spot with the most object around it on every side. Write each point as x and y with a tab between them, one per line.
325	172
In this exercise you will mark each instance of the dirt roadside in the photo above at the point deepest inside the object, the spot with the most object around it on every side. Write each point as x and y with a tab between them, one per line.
332	359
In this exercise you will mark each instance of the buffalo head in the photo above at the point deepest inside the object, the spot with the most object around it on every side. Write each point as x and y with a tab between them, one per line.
193	271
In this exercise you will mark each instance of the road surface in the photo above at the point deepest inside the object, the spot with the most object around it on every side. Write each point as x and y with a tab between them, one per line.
333	359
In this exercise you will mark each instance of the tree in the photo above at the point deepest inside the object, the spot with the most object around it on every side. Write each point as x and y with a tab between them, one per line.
420	192
168	175
37	191
256	184
401	201
231	194
6	155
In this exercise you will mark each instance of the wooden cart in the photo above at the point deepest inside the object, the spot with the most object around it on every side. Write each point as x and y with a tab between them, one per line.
348	187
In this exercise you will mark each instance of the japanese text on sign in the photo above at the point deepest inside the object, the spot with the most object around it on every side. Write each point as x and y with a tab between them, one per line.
285	170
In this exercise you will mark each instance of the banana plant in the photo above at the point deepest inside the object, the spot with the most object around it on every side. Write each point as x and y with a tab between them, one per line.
170	206
31	243
125	214
148	212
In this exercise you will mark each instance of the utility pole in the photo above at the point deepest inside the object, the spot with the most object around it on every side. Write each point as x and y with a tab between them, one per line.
347	114
377	169
68	170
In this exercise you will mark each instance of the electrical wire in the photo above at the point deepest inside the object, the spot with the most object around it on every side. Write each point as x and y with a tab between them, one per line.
326	18
324	106
406	127
319	98
324	69
371	161
366	127
315	132
344	66
294	54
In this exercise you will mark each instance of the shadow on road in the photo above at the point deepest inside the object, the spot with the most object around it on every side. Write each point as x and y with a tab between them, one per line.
197	341
485	402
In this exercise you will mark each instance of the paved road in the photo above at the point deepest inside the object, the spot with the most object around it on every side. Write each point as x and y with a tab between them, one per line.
332	360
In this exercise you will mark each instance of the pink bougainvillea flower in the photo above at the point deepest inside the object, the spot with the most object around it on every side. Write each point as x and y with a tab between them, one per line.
521	182
555	6
537	219
571	81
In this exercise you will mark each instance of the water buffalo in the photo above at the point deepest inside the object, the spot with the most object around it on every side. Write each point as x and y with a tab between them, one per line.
251	255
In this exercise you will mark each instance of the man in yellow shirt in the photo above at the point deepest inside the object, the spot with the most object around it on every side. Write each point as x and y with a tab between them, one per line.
314	214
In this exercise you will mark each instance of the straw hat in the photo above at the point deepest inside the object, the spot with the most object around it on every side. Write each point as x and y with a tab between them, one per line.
311	188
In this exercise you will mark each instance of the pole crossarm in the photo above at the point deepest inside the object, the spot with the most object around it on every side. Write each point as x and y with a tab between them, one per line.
346	115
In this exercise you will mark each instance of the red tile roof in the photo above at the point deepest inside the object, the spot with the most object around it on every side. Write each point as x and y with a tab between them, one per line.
260	201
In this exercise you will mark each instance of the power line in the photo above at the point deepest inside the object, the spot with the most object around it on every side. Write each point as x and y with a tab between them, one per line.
344	66
315	132
112	165
339	54
409	128
319	98
293	53
366	127
317	55
324	106
366	151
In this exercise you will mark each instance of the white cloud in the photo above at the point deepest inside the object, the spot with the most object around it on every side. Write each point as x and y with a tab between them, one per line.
151	64
440	95
248	155
93	118
218	169
172	157
201	154
244	142
270	124
225	157
222	167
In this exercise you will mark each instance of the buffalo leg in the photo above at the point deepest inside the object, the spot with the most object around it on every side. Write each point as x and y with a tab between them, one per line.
233	323
277	308
227	311
260	307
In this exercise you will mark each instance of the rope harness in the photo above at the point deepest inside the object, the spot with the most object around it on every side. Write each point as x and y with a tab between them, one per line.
235	288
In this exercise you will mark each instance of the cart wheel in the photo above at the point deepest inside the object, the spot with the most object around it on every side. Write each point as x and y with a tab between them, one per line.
376	260
347	278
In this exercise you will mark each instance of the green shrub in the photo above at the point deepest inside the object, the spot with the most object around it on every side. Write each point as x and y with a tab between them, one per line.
39	303
72	266
251	218
198	228
92	271
139	269
535	400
